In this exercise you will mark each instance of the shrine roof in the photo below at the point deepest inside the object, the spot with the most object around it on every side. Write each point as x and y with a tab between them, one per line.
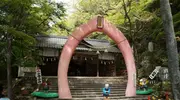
85	45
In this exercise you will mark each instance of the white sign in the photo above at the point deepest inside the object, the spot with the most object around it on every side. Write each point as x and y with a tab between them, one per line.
38	76
155	72
164	74
22	70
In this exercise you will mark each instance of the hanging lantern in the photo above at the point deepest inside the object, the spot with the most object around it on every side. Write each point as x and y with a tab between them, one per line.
85	58
150	46
112	62
104	63
105	50
54	58
97	52
46	59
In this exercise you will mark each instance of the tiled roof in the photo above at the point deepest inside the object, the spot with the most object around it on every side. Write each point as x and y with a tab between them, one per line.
59	41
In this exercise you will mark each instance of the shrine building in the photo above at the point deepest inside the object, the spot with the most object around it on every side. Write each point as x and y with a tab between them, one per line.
92	57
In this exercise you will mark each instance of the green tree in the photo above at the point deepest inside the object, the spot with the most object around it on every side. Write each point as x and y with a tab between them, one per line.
130	16
139	20
20	22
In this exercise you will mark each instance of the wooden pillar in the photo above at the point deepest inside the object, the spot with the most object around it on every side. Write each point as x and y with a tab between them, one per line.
115	65
114	74
97	66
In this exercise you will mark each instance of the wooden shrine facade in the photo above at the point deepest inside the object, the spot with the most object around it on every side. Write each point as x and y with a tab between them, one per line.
92	57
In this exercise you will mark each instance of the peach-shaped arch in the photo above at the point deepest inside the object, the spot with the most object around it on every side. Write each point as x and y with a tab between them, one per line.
74	40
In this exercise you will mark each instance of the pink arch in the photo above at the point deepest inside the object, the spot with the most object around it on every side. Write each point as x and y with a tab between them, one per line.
73	41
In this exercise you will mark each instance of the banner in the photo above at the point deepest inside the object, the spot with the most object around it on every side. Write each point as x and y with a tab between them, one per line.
38	76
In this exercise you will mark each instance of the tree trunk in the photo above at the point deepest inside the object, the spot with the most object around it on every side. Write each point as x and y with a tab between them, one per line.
9	79
171	44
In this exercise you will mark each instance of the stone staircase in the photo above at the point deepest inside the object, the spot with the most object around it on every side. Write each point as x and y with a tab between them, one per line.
82	88
90	88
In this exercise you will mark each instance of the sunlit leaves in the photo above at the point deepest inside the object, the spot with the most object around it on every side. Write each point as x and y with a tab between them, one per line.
23	20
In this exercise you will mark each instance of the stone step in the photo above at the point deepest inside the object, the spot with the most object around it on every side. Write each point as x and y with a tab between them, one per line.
93	87
101	98
71	80
102	84
84	88
98	99
94	84
84	77
94	92
98	79
97	95
145	97
99	92
98	82
91	82
79	79
88	90
113	89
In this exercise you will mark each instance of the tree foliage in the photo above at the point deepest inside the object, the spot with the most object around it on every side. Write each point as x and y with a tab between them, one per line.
140	22
23	20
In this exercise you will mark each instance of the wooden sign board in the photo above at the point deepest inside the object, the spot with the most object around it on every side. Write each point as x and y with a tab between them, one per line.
155	72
